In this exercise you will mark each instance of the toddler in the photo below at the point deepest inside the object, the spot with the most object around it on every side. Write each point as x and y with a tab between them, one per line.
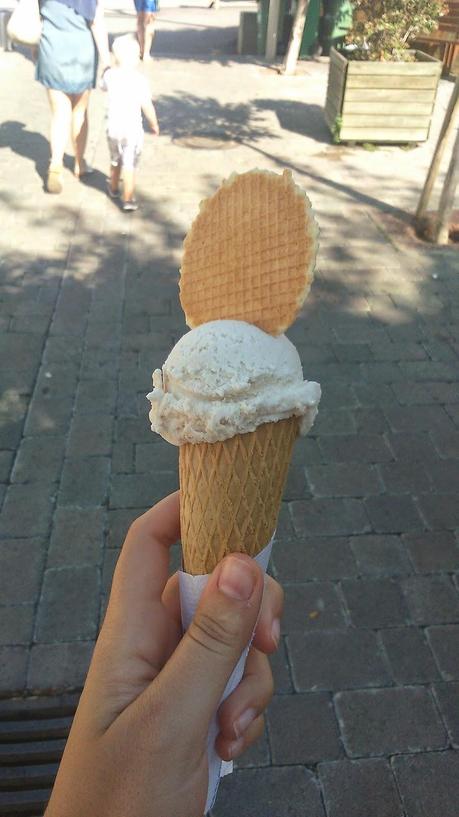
128	96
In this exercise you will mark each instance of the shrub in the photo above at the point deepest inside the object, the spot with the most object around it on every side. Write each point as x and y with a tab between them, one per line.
383	29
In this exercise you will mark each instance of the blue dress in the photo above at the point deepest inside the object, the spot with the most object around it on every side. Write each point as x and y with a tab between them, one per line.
67	56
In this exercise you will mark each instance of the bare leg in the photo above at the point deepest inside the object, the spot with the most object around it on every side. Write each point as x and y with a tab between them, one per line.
145	33
141	32
80	129
128	184
61	117
115	173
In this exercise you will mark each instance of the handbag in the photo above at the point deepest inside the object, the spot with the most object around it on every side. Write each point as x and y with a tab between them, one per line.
24	25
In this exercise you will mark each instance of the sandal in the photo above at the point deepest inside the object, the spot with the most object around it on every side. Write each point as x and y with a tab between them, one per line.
54	180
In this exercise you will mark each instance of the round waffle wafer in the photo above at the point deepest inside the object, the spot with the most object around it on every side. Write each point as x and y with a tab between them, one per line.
250	253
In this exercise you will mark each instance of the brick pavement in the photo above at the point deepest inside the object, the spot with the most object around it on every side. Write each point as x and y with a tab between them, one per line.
364	722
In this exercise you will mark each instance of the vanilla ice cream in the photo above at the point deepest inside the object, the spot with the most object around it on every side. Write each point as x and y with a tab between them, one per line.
228	377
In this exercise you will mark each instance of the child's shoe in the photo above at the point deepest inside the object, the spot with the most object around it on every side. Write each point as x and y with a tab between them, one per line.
130	205
114	194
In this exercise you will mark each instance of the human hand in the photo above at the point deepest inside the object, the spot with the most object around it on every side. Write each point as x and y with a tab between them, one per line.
154	128
138	744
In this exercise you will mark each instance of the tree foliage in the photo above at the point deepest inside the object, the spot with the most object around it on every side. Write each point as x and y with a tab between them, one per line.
384	29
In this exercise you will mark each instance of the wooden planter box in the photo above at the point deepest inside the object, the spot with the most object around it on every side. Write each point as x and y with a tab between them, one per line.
381	101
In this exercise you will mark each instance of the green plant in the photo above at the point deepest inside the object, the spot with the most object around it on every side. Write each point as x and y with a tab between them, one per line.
383	29
336	130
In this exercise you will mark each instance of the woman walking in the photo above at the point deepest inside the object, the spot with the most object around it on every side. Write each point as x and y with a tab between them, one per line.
145	25
73	36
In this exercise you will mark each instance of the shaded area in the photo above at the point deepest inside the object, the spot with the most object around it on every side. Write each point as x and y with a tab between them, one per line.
298	117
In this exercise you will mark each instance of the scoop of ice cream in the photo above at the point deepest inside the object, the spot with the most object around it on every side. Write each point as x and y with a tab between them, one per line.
226	378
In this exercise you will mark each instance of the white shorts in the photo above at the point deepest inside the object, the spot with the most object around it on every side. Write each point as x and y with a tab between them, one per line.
124	152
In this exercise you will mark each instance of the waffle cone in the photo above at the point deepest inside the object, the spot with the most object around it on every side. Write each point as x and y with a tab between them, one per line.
230	493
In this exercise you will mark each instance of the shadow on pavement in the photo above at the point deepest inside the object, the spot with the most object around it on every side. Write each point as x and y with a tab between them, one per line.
298	117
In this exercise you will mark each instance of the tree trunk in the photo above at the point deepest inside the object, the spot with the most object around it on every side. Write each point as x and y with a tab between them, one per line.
449	123
293	50
445	208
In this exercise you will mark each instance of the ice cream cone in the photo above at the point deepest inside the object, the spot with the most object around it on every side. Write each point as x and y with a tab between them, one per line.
231	493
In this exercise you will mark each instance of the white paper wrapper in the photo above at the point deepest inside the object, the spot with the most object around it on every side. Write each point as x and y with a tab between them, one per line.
191	588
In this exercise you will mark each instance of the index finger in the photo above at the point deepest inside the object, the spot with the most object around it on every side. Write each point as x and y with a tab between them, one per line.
142	570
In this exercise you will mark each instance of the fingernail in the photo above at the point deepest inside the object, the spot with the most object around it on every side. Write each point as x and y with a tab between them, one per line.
237	579
275	631
243	721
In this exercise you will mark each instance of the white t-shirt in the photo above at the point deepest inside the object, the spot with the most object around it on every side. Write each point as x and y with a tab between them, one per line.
127	92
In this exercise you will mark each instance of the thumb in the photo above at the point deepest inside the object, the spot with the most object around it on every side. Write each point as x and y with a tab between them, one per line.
198	671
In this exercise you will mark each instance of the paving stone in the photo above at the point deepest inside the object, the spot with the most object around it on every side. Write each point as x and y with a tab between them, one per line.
405	477
95	397
397	351
39	459
59	350
428	783
155	456
329	517
10	433
447	696
440	510
359	788
431	599
338	396
57	380
27	510
13	661
409	656
412	447
49	416
445	476
453	412
393	514
281	670
428	370
262	793
6	461
352	352
370	420
375	603
19	351
315	605
343	479
84	482
256	756
134	491
374	394
58	667
90	437
123	458
334	422
380	555
431	552
303	729
336	659
444	642
16	623
21	563
77	537
297	560
296	486
387	721
133	430
447	443
111	557
306	450
419	418
68	604
118	522
347	448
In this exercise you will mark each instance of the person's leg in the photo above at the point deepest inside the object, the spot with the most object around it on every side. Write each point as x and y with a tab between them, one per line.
61	116
115	173
128	184
141	32
80	129
149	34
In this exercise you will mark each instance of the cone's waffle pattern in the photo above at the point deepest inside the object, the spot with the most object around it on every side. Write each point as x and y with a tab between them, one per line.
230	493
250	253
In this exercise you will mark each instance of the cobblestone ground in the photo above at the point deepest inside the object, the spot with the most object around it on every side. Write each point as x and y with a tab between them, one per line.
365	720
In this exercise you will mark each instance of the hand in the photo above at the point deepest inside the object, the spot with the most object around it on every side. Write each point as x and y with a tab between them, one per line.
154	128
137	747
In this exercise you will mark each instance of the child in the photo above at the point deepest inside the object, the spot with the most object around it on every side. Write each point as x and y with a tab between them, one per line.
128	96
